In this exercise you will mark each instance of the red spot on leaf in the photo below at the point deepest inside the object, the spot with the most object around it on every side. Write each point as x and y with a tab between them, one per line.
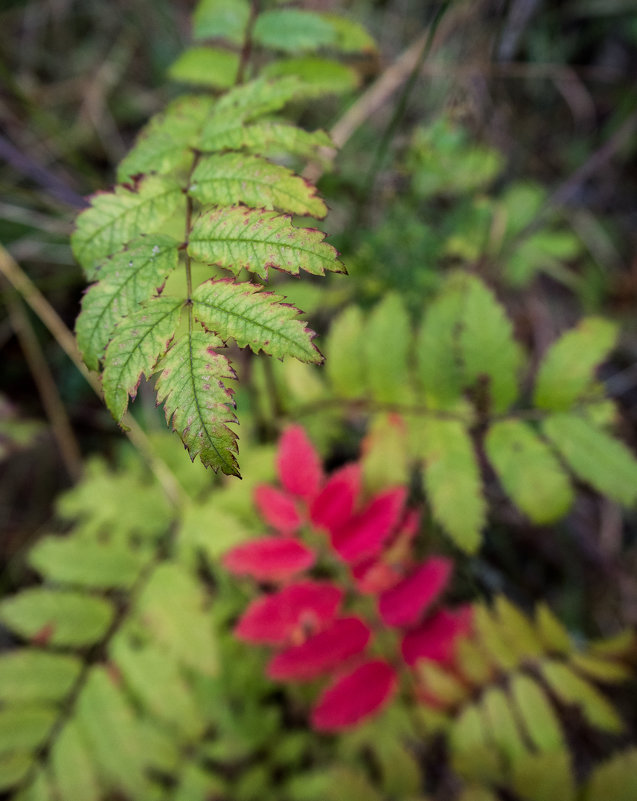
43	636
354	696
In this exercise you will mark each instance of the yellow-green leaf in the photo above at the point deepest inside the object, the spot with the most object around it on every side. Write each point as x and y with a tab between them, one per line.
536	713
615	779
528	471
57	617
385	344
595	457
452	481
567	370
573	689
238	238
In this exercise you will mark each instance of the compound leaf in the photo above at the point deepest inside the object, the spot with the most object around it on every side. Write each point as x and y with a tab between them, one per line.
237	238
190	385
253	318
140	339
227	179
126	280
594	456
567	370
529	472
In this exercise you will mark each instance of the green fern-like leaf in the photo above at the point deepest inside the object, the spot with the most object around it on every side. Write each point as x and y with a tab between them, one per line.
385	346
206	66
225	206
239	238
294	30
566	372
616	778
321	75
228	179
139	341
452	481
594	456
57	617
126	280
196	400
163	145
487	347
529	472
117	217
219	18
262	322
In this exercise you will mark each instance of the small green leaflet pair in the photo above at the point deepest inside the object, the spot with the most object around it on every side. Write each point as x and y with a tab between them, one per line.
303	43
211	200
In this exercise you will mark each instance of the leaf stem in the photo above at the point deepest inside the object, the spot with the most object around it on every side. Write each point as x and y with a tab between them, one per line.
45	383
65	339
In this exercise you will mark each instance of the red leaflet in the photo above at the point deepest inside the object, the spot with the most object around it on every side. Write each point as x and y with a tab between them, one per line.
322	652
373	576
277	509
288	615
435	639
354	696
403	604
334	505
366	532
269	559
298	464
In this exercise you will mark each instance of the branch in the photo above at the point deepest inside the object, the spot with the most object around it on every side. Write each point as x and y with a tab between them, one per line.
65	339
